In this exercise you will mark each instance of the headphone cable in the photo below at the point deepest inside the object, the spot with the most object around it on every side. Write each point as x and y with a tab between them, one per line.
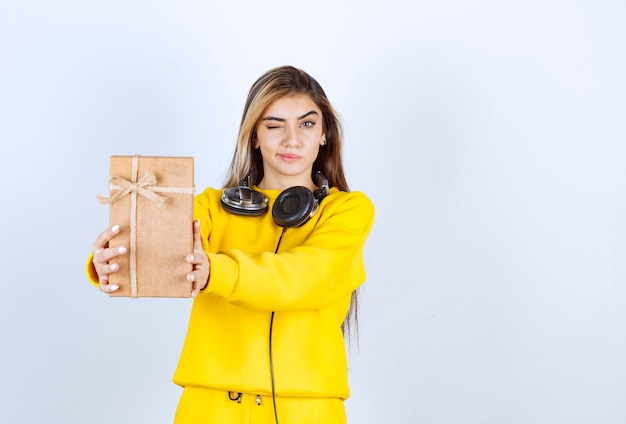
272	370
270	341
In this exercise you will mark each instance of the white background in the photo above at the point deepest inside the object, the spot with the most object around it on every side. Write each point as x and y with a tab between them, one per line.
489	134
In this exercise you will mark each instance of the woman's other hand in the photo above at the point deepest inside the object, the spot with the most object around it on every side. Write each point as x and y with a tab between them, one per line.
199	276
103	254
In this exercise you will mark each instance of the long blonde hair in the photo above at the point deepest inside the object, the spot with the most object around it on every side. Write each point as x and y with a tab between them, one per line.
247	162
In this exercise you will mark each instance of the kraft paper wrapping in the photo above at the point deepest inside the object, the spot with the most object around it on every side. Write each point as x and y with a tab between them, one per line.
151	199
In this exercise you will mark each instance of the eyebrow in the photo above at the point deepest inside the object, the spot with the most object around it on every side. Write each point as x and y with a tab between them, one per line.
274	118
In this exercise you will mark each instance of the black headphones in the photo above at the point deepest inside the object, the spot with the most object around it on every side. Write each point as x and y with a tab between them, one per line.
292	208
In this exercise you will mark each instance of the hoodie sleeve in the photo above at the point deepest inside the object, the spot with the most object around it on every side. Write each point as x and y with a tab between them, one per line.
322	270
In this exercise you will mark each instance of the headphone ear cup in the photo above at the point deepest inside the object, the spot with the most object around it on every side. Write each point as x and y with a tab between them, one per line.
293	207
244	201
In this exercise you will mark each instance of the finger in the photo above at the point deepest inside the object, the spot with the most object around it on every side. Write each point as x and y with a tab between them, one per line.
103	238
195	288
199	279
102	263
108	288
201	269
102	242
105	255
197	258
195	291
193	277
104	285
197	239
103	280
105	269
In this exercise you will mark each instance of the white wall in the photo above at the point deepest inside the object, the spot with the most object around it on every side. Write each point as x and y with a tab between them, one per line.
490	136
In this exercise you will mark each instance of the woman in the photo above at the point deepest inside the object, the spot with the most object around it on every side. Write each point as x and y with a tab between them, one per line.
273	290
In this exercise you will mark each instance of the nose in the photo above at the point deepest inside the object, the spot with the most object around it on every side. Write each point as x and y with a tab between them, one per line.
292	138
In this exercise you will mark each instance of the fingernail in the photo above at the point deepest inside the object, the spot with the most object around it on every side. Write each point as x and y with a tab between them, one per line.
115	228
190	257
121	249
114	287
114	267
190	277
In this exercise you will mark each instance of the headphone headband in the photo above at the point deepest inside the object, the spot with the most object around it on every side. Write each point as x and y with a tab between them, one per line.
322	183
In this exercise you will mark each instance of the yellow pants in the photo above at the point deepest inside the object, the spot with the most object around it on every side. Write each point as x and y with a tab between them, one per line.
200	406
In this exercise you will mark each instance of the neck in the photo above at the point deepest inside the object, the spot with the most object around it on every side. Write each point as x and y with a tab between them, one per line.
267	184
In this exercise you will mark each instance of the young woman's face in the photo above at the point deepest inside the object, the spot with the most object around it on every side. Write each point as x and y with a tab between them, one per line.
289	135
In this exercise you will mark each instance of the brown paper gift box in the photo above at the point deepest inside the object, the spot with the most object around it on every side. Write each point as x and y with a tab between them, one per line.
151	198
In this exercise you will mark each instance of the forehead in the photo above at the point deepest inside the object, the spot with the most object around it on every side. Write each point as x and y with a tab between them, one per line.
292	105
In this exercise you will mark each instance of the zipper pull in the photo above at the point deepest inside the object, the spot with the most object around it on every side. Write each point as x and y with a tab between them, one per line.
258	400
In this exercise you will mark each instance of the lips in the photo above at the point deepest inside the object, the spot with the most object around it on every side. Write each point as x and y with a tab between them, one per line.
288	157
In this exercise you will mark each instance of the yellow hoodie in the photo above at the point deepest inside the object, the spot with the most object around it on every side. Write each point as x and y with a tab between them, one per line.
308	285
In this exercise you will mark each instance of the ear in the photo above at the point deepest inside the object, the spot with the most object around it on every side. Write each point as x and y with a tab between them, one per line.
323	141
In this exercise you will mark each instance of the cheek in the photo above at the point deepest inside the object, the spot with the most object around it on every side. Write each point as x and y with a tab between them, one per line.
260	140
315	149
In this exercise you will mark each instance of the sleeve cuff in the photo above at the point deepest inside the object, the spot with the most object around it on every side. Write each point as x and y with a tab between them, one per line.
91	272
222	277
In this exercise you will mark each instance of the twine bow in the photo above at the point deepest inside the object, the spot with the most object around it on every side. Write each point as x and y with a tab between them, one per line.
145	187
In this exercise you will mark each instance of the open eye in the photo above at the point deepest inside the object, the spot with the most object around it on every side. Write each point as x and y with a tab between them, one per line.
307	124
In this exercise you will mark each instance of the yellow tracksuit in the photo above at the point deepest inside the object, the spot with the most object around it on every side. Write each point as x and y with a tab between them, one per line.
308	285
